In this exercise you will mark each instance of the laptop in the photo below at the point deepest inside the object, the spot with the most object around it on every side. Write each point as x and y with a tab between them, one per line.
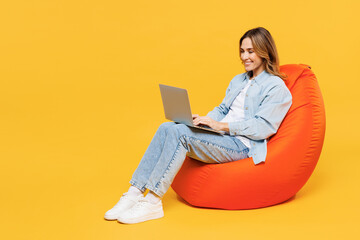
177	107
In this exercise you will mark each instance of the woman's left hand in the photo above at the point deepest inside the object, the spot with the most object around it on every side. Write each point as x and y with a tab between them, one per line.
205	120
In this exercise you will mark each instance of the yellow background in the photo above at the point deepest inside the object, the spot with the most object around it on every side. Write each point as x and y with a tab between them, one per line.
79	103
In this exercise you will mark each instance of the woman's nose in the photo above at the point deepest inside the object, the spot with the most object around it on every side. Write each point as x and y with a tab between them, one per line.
244	56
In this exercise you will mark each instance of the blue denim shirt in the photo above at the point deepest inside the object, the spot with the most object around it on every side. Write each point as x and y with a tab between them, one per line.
266	103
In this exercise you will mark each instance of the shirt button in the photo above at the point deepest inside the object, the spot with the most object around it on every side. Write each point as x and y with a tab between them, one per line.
246	108
247	95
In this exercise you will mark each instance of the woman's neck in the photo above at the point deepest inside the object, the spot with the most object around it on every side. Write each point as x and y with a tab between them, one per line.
257	71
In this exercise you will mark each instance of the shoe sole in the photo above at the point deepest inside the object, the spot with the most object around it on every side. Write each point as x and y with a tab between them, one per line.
111	217
142	219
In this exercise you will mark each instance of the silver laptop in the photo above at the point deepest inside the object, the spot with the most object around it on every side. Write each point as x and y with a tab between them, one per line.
177	107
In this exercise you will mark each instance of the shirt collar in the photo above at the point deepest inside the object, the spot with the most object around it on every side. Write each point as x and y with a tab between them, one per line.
263	75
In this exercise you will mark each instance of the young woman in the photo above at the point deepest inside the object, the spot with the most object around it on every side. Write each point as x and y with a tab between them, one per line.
253	108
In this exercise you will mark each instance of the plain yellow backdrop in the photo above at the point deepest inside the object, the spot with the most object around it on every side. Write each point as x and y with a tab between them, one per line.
79	103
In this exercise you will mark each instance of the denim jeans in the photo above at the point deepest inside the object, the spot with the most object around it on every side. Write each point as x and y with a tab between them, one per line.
169	147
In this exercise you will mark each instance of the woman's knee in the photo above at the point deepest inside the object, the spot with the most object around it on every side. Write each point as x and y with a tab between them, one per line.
172	128
179	129
165	126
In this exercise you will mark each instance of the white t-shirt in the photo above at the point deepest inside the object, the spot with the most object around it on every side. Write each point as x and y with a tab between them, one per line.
237	113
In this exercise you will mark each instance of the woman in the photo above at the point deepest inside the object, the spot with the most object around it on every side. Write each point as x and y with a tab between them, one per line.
253	108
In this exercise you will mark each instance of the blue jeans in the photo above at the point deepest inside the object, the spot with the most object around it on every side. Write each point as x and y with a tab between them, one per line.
169	147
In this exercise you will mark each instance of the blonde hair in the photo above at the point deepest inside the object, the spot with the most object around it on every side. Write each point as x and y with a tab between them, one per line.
265	47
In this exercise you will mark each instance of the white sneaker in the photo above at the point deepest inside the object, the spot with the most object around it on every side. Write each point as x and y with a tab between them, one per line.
126	202
142	211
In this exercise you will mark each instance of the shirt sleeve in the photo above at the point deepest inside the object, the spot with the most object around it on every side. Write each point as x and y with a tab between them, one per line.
268	117
220	111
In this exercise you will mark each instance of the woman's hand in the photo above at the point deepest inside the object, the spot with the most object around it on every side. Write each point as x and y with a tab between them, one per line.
195	116
205	120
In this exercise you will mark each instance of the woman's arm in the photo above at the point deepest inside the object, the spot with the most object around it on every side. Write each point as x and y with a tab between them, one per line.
220	111
268	117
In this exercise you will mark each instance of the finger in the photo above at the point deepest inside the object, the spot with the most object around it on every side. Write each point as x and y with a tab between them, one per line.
195	115
198	121
204	122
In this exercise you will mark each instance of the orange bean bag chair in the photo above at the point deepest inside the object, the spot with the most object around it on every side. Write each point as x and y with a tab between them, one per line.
291	158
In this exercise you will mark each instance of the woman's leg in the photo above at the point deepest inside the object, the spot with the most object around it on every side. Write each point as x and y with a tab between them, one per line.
164	158
168	150
150	159
141	175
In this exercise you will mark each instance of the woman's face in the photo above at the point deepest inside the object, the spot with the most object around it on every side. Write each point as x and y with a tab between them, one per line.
250	59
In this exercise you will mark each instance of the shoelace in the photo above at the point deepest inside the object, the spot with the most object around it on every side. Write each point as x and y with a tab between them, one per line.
139	204
123	197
